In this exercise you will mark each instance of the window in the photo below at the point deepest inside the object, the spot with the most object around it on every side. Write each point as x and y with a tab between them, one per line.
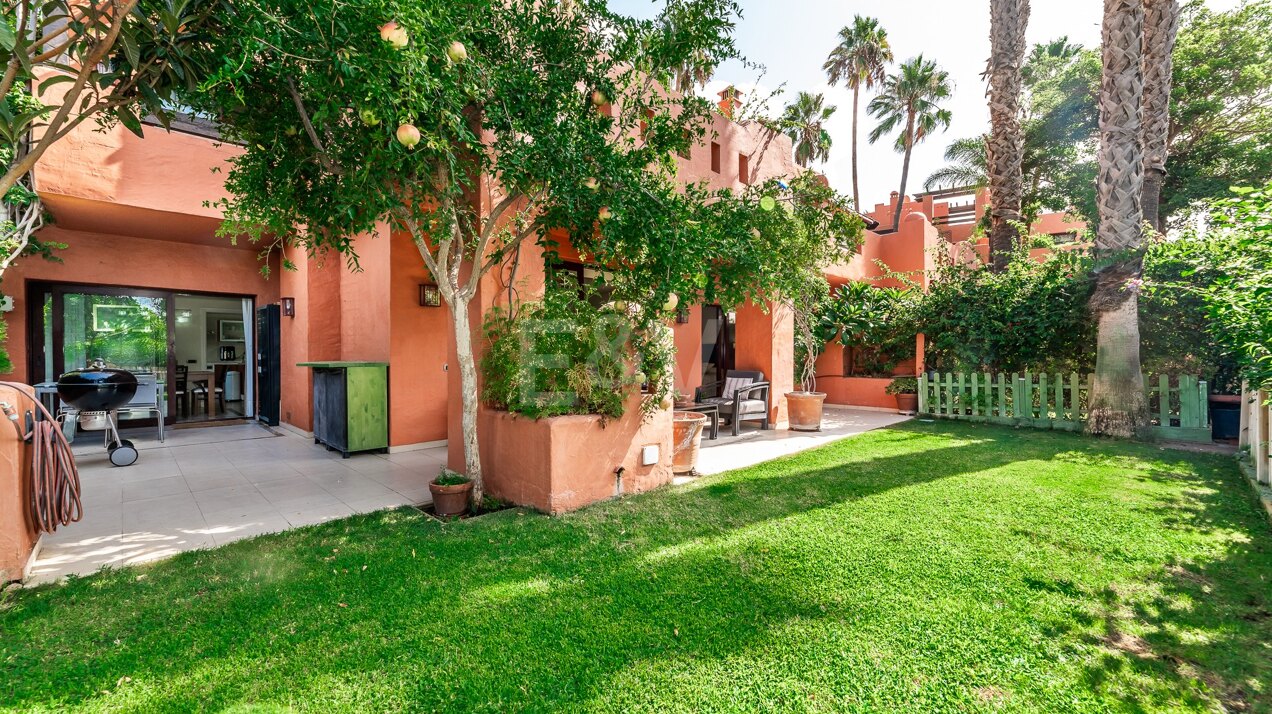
1062	238
586	277
687	152
744	168
715	157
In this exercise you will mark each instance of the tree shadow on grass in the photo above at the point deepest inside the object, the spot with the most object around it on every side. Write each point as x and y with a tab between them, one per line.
511	610
1203	621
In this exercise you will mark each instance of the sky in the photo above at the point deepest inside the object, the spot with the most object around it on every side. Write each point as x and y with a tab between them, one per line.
791	39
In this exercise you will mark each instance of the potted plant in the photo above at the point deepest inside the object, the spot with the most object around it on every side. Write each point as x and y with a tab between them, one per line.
805	406
452	492
906	390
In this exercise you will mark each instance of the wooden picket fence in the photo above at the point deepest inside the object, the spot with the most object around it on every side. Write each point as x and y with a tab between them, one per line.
1256	432
1179	406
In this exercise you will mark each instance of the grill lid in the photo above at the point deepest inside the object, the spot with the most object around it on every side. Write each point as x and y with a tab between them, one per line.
97	388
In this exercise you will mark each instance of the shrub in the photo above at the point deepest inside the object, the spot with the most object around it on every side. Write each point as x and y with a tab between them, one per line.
562	356
1031	316
1239	294
1177	332
873	324
903	385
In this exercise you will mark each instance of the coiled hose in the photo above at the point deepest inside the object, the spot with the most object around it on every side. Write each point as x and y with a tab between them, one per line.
55	483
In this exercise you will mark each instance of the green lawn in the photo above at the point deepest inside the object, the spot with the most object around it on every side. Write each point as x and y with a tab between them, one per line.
923	568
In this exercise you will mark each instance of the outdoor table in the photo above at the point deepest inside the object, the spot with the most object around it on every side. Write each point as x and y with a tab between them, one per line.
712	411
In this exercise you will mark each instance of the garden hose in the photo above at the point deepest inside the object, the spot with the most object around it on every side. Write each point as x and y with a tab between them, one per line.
55	483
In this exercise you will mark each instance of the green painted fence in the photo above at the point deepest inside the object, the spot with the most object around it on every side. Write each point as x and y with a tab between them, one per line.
1179	405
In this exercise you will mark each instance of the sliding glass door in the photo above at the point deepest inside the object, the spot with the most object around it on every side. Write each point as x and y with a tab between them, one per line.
128	332
126	328
148	331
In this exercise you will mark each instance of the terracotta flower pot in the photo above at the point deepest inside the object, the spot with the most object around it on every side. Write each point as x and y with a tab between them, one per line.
686	438
908	404
451	500
805	410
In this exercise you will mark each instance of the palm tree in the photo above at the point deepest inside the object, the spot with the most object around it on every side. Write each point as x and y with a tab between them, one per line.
968	166
1005	145
860	59
695	72
1044	55
804	122
1161	23
910	99
1117	403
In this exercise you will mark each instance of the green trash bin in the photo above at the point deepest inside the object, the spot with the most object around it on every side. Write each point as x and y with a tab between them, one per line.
351	405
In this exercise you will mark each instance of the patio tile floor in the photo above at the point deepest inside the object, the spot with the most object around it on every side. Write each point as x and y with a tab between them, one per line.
754	446
209	486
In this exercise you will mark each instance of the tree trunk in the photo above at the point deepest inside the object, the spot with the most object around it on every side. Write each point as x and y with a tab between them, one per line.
468	393
1152	198
1008	20
1117	404
905	172
1161	24
856	196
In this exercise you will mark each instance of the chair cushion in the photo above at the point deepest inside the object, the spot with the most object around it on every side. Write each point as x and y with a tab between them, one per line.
749	406
732	384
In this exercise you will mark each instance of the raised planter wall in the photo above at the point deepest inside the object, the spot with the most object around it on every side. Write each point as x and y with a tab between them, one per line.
17	534
562	463
857	391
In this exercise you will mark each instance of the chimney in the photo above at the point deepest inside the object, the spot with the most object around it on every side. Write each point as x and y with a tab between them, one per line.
730	100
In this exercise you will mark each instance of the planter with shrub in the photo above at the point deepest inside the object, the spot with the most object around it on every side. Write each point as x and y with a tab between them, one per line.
906	390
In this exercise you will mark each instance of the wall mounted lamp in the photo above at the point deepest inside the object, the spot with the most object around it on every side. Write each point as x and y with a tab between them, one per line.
430	296
682	316
289	307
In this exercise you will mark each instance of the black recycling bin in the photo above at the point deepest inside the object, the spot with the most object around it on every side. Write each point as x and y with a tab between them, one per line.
1225	417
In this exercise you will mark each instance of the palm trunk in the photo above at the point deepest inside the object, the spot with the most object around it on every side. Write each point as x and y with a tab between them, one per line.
468	393
1117	403
1008	19
905	172
1161	23
1152	198
856	97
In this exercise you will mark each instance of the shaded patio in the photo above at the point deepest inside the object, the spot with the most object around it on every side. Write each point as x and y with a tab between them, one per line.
206	487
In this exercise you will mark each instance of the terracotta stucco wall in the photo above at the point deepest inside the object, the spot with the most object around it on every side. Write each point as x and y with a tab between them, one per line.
766	342
766	158
169	172
17	532
563	463
689	352
365	328
295	383
419	351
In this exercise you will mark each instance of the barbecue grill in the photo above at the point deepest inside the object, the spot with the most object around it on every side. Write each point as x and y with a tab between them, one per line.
93	395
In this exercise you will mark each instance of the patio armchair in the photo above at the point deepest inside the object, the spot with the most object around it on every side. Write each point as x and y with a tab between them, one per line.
742	396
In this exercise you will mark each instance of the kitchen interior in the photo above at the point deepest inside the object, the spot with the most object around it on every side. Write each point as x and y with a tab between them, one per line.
210	352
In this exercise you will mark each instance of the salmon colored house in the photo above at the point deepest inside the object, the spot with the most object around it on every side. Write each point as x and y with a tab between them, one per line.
138	222
931	223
